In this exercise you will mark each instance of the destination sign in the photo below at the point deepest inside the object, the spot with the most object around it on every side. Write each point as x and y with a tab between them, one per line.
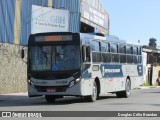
53	38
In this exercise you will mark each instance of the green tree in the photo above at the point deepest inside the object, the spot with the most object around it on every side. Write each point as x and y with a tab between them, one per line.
152	42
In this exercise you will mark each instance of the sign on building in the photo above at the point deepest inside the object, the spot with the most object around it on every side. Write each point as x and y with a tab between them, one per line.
49	20
93	14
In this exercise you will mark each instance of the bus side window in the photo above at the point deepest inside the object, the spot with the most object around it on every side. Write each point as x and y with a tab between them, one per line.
122	49
132	52
122	53
137	50
114	50
104	47
140	51
109	47
95	46
128	49
100	49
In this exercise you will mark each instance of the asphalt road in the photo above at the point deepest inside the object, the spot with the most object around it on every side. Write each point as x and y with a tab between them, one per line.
140	100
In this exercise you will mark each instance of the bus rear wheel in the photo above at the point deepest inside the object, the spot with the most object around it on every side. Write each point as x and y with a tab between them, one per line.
94	96
50	98
126	92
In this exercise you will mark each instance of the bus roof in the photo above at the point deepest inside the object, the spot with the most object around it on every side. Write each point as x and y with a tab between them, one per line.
92	36
108	38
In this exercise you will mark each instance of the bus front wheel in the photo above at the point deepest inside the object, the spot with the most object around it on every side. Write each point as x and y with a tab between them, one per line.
93	97
126	92
50	98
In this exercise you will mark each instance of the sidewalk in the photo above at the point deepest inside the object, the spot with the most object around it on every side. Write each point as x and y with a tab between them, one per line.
147	87
13	96
18	94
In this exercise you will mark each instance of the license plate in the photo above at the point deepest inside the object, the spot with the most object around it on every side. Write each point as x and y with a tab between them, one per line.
51	90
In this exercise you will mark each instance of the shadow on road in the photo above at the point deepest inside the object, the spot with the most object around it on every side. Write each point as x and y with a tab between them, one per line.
16	100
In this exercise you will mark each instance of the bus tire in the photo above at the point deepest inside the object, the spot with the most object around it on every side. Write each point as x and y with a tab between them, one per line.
50	98
94	96
126	92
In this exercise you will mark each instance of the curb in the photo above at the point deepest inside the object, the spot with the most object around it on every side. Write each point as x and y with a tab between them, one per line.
19	94
147	87
13	96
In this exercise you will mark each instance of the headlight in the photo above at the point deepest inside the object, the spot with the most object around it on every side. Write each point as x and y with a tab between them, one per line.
77	80
72	83
31	83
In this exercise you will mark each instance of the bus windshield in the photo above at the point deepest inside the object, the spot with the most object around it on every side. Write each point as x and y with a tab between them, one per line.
54	58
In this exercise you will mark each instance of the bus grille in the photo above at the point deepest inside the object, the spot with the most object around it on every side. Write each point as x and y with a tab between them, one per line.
51	88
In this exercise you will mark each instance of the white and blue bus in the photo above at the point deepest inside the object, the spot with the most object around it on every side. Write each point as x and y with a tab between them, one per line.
78	64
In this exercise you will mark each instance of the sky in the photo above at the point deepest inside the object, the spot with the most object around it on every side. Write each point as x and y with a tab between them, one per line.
134	20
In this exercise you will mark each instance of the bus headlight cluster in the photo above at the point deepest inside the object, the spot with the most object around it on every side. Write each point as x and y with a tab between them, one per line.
72	83
77	80
31	83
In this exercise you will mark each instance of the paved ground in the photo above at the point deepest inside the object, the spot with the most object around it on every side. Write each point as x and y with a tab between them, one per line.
145	99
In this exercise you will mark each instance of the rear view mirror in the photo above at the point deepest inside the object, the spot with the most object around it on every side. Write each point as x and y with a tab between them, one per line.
23	55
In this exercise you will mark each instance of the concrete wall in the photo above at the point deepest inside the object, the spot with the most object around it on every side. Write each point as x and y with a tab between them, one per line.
13	71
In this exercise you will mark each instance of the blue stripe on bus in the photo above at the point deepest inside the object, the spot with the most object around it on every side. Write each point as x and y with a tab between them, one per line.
111	71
